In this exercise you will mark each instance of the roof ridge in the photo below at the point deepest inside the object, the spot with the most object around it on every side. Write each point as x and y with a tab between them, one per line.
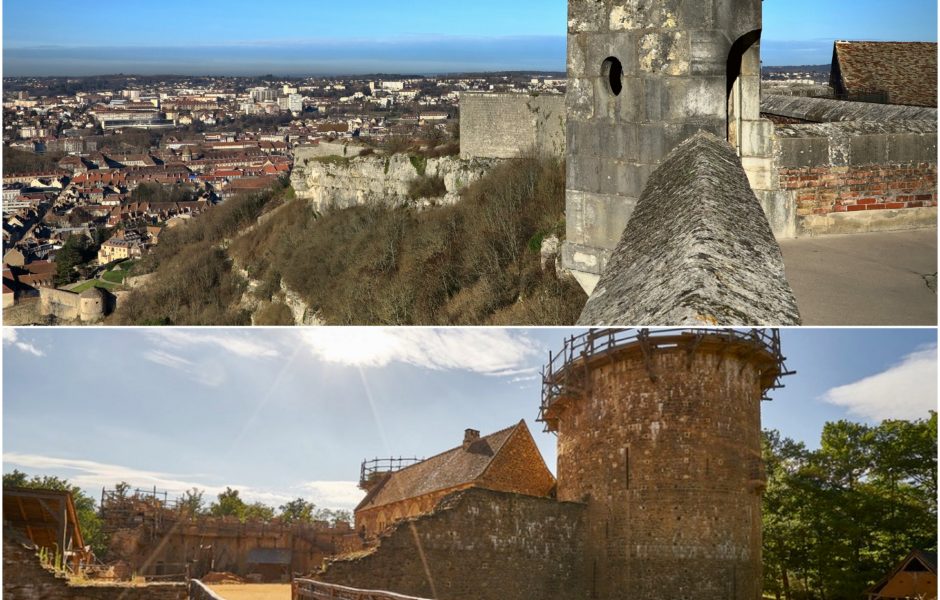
460	447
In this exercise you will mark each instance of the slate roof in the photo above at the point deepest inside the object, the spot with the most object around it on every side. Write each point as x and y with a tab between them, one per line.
455	467
905	71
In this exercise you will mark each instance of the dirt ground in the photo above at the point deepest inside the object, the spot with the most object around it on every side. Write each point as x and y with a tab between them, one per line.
253	591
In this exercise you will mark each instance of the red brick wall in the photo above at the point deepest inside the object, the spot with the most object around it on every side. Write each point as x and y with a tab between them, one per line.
824	190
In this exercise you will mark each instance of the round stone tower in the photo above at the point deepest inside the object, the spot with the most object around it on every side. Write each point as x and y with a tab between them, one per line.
659	435
91	305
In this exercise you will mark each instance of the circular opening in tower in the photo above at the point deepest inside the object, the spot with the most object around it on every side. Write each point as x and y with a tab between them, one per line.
612	71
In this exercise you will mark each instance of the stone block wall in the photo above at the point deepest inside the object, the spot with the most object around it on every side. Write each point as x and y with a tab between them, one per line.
478	545
670	471
852	177
24	578
507	125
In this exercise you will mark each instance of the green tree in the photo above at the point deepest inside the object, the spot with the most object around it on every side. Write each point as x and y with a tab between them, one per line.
88	520
257	511
333	516
192	503
76	251
837	518
229	504
297	511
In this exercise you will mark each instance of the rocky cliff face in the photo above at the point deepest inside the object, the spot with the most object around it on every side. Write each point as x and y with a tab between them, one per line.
337	182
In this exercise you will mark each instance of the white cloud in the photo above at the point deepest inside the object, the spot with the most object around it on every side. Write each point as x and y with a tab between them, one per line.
209	375
92	476
486	351
11	338
334	494
231	341
907	390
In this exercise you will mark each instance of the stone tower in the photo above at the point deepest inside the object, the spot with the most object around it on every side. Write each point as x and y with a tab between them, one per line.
644	75
659	435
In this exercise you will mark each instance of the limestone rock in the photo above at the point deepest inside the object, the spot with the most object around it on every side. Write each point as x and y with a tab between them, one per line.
379	180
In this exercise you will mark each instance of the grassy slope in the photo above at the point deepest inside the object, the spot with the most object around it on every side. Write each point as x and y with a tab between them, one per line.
473	263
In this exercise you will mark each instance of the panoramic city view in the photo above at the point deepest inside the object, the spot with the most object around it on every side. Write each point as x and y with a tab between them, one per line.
552	300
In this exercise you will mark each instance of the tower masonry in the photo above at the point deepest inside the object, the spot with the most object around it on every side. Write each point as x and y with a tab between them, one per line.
659	437
643	76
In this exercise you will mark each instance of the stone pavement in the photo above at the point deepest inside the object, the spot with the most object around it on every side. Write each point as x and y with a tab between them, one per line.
865	278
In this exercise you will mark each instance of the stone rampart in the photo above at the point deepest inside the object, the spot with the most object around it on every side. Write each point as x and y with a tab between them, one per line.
826	110
697	251
507	125
477	545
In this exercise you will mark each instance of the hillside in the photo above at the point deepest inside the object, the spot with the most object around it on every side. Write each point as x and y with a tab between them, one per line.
475	262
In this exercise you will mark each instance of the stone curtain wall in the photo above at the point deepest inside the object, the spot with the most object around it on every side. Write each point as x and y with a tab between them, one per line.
477	545
507	125
851	177
698	251
25	579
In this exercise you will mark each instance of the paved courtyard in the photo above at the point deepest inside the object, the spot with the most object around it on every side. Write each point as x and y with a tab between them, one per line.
865	278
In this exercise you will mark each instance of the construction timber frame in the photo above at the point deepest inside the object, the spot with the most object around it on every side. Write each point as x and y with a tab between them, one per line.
567	373
372	469
308	589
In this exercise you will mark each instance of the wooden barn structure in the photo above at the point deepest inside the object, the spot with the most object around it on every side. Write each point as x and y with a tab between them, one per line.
913	577
47	519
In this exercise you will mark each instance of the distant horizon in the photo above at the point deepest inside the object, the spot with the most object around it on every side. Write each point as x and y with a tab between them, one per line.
316	38
377	75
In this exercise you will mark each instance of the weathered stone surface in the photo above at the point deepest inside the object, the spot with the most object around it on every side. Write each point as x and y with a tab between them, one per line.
508	125
664	450
379	180
825	110
698	250
477	545
24	578
644	75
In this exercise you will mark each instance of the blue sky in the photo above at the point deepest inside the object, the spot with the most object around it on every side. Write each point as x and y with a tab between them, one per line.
285	413
423	36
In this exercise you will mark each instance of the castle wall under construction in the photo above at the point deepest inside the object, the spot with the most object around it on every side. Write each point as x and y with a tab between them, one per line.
477	545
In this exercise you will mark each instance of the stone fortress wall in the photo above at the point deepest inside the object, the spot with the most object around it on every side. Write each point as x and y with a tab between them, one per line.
478	544
88	307
864	168
504	125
